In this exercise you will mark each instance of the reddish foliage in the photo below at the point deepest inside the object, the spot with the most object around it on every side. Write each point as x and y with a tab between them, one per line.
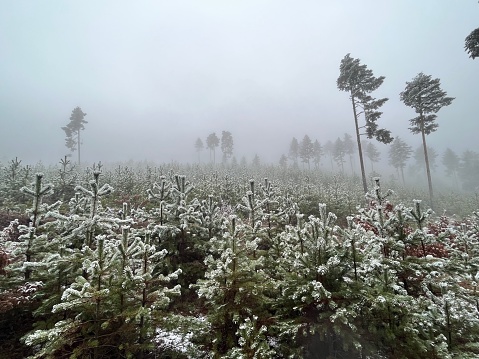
437	250
442	226
437	229
19	296
366	225
388	207
388	211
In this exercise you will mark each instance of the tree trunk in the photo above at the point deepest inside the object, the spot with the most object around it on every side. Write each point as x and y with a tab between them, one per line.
426	159
360	151
78	147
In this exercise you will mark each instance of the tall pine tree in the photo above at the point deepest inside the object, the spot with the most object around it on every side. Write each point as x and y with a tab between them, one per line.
359	82
425	96
73	129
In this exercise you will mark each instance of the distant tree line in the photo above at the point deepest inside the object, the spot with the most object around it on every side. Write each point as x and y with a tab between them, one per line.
462	169
212	142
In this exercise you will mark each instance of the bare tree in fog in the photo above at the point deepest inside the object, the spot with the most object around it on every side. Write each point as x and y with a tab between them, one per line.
317	153
294	150
399	153
212	141
329	150
373	154
226	145
306	150
339	153
349	149
199	148
451	162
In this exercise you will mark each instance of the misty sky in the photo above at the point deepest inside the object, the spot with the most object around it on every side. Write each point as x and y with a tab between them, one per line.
153	76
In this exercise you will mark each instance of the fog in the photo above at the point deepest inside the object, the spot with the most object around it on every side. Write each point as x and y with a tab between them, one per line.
153	76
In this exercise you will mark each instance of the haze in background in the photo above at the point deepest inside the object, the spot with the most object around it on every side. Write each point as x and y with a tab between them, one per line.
153	76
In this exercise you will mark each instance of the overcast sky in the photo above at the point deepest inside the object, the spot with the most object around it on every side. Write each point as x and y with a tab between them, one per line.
153	76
